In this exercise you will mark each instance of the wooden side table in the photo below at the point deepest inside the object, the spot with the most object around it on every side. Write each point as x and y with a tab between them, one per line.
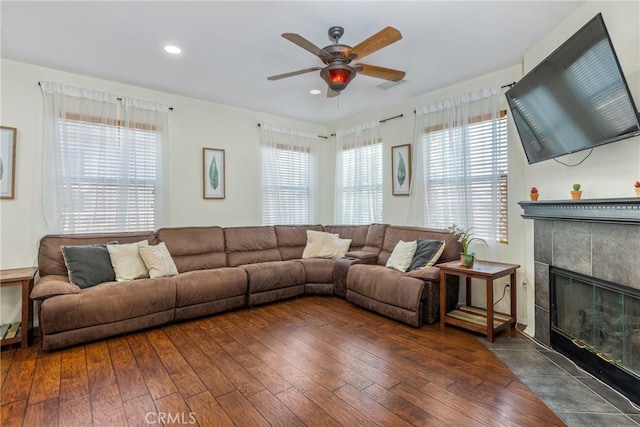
484	321
20	277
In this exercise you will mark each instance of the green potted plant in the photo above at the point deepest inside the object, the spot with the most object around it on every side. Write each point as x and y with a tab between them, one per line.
534	194
576	193
465	237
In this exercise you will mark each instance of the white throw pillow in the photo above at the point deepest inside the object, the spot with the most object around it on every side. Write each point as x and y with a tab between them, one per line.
402	255
158	260
315	242
127	262
334	247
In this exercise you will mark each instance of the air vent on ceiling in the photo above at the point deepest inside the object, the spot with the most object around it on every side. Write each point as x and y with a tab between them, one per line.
389	84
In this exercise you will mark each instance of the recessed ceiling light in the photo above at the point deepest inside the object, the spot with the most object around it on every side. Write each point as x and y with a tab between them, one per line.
174	50
315	91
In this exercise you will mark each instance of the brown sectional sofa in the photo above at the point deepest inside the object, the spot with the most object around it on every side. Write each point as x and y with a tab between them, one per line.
222	269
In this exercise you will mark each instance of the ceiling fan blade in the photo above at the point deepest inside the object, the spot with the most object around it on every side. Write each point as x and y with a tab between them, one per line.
305	44
332	93
382	38
293	73
380	72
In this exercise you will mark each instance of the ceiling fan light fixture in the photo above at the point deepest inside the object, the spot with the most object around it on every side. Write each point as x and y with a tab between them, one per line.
338	76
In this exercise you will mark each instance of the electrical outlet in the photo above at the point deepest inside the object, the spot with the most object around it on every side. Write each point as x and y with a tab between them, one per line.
524	284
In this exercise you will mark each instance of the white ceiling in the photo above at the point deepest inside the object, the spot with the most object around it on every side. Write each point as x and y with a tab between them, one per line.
230	48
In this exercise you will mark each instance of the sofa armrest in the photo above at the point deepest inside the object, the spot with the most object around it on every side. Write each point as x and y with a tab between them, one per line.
363	256
52	285
341	269
431	274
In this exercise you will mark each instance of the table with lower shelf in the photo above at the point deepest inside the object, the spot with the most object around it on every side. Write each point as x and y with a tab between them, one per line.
481	320
23	277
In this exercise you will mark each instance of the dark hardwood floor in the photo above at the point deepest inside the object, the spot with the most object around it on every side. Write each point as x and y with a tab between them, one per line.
311	361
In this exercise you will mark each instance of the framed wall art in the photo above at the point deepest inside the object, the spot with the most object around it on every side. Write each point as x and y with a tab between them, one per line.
8	162
401	169
213	173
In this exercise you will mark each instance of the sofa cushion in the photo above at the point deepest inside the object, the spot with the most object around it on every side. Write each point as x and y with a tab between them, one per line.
88	265
318	270
402	255
385	285
427	253
357	234
315	242
158	260
50	260
266	276
198	287
394	234
127	262
334	247
107	303
249	245
292	239
195	248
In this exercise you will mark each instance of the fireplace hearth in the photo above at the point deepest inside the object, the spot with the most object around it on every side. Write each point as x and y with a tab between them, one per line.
587	285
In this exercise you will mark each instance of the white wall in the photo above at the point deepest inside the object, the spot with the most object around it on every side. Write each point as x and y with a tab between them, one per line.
193	124
611	169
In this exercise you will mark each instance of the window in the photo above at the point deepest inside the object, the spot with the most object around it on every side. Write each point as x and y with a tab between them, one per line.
103	174
469	186
286	188
361	198
288	175
358	186
103	161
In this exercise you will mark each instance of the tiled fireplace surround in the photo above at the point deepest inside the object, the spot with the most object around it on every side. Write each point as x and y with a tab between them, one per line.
598	238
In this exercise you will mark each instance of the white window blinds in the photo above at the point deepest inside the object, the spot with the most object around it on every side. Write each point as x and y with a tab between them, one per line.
102	177
288	176
359	175
103	161
468	185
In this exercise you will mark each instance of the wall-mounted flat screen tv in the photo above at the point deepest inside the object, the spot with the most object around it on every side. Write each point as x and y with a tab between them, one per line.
577	98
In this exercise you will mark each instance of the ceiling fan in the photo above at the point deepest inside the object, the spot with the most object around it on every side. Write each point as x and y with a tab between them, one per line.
338	73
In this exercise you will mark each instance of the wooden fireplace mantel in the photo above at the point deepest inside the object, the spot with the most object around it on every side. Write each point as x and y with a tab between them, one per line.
617	211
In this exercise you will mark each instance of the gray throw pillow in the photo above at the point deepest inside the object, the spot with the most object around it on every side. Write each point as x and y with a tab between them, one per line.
88	265
427	253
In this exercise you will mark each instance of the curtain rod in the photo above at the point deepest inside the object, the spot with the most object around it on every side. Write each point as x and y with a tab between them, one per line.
501	87
383	120
120	99
319	136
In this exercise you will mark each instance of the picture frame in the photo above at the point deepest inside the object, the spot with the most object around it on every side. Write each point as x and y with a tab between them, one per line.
401	169
8	138
213	173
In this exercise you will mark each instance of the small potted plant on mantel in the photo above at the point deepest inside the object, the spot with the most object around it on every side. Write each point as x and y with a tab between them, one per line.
637	187
576	193
534	194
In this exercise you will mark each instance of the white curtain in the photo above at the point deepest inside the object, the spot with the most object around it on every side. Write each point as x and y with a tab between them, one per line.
449	164
358	188
104	161
289	177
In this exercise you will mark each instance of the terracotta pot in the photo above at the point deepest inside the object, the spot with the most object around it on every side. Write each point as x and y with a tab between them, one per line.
638	191
534	196
575	195
466	260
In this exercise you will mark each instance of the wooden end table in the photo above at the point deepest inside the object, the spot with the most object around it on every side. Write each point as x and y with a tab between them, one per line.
484	321
20	277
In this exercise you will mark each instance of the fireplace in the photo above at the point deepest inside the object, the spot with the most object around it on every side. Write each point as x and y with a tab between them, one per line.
587	285
597	325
